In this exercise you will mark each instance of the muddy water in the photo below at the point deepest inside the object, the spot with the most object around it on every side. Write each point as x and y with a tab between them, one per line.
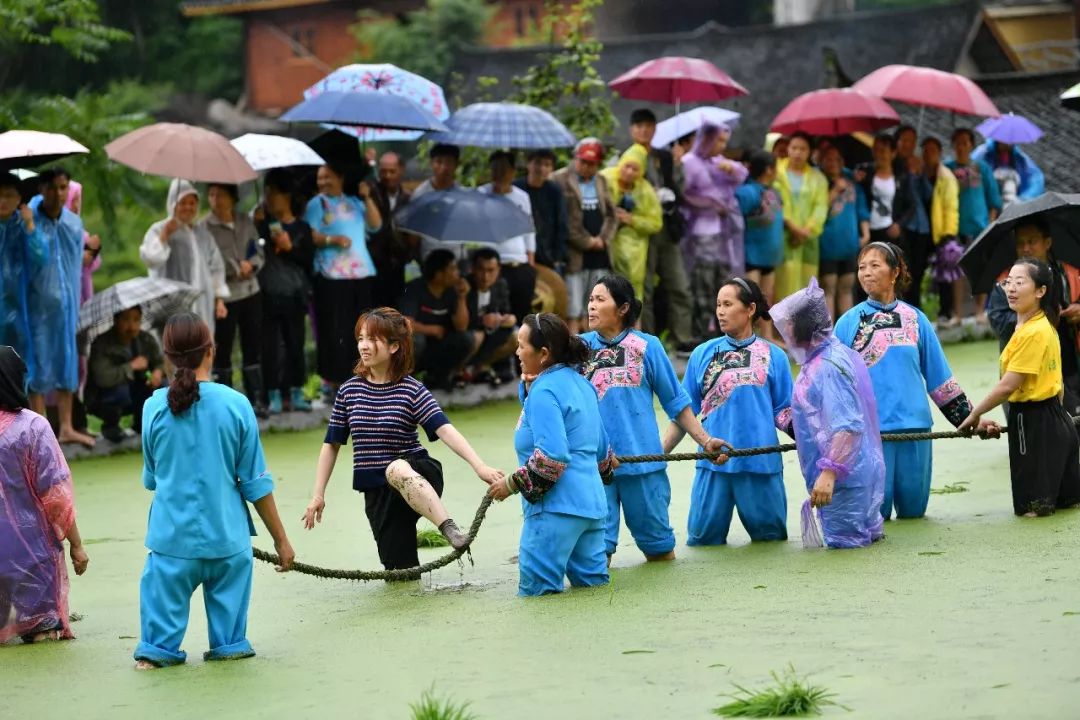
962	615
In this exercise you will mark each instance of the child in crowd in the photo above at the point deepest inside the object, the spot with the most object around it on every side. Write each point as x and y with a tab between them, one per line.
764	213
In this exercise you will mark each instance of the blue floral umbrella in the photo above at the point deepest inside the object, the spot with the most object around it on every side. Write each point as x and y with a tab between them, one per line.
387	79
504	125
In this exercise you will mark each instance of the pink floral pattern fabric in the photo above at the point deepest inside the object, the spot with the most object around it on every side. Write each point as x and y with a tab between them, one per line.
732	369
621	365
885	329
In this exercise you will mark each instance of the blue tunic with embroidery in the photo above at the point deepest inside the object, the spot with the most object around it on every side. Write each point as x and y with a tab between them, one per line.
763	213
561	446
742	391
52	300
979	194
906	361
626	372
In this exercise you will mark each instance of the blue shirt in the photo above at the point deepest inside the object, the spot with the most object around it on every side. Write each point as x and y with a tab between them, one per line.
905	359
742	391
382	421
763	212
202	466
560	437
342	215
21	253
52	299
626	372
978	195
840	238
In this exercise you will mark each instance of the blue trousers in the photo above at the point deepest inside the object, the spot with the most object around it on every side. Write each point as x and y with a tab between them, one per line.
644	501
165	601
556	546
852	518
760	499
908	467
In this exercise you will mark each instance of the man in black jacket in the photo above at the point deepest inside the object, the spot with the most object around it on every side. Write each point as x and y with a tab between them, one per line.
665	258
491	320
389	250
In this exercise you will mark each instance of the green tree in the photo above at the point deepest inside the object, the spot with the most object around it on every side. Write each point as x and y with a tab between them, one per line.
566	82
73	25
426	41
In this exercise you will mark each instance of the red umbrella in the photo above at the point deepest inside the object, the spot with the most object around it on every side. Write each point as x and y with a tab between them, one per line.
838	111
929	88
181	151
674	80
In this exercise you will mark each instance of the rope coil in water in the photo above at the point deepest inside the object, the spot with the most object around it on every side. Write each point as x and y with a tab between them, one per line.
481	512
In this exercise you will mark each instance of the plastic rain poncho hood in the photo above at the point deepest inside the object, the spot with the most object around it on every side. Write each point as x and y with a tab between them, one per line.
711	208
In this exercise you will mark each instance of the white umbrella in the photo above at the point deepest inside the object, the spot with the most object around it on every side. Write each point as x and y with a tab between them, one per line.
264	152
31	148
685	123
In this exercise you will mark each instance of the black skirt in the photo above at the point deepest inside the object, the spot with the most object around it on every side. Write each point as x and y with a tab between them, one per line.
1044	457
393	522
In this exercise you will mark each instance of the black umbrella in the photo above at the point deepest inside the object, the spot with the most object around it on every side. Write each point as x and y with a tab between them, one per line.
995	249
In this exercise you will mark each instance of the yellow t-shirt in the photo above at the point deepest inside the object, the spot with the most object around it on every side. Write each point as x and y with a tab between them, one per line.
1034	351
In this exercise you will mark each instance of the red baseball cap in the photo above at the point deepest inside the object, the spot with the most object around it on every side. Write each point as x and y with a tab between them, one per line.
590	150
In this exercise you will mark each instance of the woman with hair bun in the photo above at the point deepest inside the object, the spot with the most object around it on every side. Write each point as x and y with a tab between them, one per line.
740	385
901	350
565	461
203	461
628	367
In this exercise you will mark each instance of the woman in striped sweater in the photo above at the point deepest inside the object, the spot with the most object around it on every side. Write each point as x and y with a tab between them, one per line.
381	408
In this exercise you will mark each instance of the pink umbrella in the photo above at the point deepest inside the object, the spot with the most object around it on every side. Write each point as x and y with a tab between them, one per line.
675	80
181	151
929	88
838	111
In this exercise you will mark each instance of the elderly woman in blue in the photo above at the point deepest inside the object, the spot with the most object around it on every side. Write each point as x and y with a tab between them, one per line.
199	531
628	367
741	386
901	350
565	461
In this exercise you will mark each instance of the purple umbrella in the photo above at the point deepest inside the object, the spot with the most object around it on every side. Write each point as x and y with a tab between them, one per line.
1011	129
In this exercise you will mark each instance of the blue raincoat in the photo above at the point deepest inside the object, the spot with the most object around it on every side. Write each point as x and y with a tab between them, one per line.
21	253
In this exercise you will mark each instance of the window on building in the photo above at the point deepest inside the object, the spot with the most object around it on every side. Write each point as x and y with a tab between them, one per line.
519	20
303	41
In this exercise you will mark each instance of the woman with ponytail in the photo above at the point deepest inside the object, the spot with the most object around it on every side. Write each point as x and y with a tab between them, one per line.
904	356
740	385
565	461
203	461
628	368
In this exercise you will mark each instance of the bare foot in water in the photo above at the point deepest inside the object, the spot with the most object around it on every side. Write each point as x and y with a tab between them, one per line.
71	435
47	636
666	557
145	665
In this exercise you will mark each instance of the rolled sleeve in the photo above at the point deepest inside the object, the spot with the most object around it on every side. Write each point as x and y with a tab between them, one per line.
252	477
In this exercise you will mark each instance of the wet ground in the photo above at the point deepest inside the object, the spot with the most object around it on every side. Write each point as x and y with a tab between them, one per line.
970	613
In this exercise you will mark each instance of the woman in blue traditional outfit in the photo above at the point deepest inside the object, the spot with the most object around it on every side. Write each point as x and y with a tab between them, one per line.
565	461
834	417
899	346
37	513
740	384
628	367
199	530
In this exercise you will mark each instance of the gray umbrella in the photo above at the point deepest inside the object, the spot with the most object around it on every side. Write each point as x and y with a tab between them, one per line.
159	300
464	217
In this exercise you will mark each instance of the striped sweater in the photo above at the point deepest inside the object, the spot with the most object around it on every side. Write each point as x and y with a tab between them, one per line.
382	421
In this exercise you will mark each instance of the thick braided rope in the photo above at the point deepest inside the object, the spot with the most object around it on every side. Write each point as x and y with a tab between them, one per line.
485	503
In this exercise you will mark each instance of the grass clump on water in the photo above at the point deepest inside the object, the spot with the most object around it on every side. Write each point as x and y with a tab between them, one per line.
430	538
791	696
956	487
431	707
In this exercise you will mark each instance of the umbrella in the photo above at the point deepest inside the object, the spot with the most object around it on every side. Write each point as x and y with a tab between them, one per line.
995	249
463	217
183	151
674	128
929	88
30	148
837	111
384	79
675	80
1071	97
504	125
160	299
265	152
369	109
1011	129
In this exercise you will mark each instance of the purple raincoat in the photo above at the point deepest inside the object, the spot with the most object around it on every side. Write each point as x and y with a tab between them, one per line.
834	414
37	509
714	222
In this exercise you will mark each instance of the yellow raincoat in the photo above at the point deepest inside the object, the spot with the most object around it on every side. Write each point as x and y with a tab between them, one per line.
808	207
630	248
945	205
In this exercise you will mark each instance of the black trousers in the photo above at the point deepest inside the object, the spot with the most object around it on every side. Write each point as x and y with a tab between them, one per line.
439	358
245	315
283	343
393	522
491	344
338	304
521	277
1044	457
111	404
917	251
389	286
